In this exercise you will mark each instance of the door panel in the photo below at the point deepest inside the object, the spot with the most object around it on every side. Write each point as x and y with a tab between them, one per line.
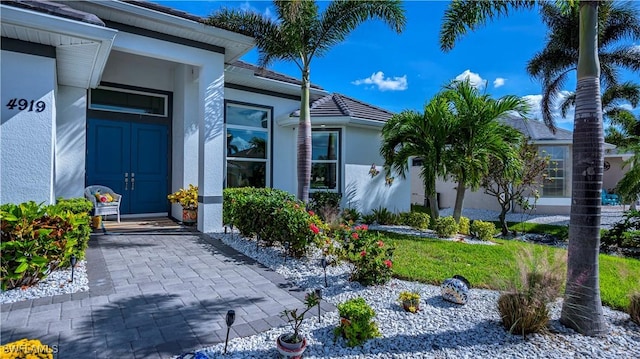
149	168
136	151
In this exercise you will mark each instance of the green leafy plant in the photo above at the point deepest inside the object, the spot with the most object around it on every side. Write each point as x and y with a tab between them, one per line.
351	215
445	227
368	218
464	226
410	301
356	322
523	308
187	198
624	236
417	220
74	205
75	211
634	308
294	318
35	240
384	216
325	204
370	256
483	230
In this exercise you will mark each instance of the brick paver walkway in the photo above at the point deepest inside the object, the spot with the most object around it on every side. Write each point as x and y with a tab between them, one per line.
154	296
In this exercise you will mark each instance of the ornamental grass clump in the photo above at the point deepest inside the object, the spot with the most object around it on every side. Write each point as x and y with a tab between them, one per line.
634	308
356	322
523	308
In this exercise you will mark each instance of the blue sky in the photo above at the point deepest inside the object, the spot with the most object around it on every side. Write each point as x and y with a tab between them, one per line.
403	71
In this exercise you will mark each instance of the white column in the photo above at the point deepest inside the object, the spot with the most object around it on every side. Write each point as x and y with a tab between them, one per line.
71	141
211	146
184	140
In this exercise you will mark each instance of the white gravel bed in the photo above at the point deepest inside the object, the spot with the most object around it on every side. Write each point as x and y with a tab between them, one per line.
440	330
609	216
58	282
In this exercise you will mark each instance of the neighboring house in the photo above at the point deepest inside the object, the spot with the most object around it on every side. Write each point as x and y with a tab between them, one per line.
555	194
144	99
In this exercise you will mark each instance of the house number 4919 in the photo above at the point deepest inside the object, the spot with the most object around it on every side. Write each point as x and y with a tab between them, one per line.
23	104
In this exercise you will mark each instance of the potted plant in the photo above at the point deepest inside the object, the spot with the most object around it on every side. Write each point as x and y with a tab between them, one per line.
410	301
188	199
292	345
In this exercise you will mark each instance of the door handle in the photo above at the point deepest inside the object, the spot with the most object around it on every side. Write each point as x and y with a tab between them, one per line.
133	181
126	181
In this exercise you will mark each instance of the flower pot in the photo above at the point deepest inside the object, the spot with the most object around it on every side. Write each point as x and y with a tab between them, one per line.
411	305
96	222
290	350
189	216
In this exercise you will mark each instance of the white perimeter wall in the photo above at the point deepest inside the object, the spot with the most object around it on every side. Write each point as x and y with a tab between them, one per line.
27	137
361	150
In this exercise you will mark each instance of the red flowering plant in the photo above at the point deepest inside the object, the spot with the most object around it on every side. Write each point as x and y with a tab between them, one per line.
321	234
370	256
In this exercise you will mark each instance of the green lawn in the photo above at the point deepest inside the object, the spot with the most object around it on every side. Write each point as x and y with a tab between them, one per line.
432	260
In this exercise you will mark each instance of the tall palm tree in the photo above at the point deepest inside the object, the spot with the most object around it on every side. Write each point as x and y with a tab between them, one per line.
582	307
299	33
559	57
478	135
424	135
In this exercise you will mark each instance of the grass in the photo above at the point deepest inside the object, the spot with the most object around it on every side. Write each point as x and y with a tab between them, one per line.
432	261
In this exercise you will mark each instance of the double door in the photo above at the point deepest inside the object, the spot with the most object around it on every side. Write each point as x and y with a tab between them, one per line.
132	159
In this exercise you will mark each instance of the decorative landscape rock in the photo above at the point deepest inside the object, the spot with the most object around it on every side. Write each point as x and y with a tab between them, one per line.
456	289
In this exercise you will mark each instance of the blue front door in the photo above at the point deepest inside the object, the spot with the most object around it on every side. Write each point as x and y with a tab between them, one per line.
132	159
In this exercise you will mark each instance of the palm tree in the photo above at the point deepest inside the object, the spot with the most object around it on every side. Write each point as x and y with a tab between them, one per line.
478	135
613	97
559	57
299	34
625	133
426	136
582	307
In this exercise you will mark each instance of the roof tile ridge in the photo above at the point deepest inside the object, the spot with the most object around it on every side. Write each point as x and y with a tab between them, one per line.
365	104
342	105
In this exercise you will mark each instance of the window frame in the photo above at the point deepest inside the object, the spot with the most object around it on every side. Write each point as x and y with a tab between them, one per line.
551	167
164	97
337	161
268	131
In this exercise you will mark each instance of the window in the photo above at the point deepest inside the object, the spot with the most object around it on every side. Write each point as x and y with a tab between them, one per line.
325	155
247	145
128	101
556	180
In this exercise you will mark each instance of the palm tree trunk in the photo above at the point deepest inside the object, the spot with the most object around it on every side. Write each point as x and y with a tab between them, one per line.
582	308
304	140
433	205
460	191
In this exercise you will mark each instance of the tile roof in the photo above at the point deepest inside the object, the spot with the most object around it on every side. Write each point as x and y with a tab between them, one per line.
166	10
57	9
336	105
537	130
272	75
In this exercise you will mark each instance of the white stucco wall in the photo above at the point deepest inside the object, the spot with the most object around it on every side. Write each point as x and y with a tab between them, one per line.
361	191
27	137
129	69
71	141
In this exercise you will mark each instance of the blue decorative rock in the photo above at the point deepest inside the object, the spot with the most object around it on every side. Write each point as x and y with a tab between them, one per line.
456	289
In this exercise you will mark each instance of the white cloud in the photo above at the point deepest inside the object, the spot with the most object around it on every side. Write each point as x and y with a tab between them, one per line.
247	7
536	109
474	79
498	82
384	84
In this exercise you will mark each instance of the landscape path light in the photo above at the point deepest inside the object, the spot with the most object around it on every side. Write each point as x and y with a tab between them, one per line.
73	262
231	317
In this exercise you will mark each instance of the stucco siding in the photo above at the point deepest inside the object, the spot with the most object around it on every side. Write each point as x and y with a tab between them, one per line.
133	70
71	141
27	136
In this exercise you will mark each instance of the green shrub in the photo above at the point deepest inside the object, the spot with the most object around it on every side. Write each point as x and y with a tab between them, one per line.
383	216
463	226
351	215
445	227
417	220
368	218
370	255
76	211
483	230
35	240
624	236
289	226
634	308
356	322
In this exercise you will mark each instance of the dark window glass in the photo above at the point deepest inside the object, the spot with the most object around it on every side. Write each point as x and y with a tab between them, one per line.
243	116
324	145
246	174
102	99
323	176
246	143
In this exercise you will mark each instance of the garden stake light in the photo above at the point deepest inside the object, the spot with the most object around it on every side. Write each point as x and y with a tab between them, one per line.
319	295
73	261
231	317
323	262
